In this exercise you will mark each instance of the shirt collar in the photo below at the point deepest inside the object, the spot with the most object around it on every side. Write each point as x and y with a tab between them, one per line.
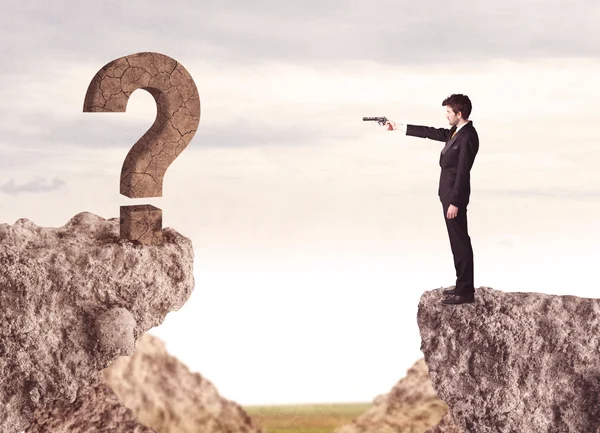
457	128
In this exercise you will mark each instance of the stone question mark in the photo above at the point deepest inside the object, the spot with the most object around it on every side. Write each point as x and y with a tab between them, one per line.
177	119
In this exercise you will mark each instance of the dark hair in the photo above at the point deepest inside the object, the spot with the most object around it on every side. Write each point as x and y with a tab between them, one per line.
459	103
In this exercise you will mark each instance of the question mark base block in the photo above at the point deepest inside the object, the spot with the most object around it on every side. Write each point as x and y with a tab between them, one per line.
142	223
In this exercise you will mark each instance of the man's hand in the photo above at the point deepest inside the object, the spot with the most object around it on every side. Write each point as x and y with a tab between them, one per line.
452	212
391	125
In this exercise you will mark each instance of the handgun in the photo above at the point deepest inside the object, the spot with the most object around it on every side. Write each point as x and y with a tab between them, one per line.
380	120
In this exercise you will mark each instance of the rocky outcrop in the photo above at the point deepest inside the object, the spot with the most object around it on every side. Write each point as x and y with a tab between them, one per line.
72	300
411	406
515	362
96	409
163	393
446	425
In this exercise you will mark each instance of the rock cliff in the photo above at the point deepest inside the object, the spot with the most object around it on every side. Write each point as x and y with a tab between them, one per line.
156	393
165	395
446	425
72	300
515	362
410	406
96	409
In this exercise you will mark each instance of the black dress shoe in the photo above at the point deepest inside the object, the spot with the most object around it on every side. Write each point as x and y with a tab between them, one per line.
467	299
450	292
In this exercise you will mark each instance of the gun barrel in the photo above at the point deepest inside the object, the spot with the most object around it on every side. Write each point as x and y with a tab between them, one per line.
377	119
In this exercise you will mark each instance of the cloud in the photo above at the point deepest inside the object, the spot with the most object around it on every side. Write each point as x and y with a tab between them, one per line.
110	133
389	31
280	99
35	186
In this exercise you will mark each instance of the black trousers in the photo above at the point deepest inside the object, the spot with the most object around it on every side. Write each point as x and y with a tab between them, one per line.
460	242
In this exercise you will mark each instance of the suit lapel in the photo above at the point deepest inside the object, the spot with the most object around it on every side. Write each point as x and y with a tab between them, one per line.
453	139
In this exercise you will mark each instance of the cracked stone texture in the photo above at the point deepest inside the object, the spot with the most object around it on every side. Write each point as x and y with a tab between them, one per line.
142	223
177	115
163	393
72	300
515	362
410	407
96	409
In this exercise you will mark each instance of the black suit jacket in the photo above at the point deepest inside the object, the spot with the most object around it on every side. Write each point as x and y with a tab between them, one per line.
456	160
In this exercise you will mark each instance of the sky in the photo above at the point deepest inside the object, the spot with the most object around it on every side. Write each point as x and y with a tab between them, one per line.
316	233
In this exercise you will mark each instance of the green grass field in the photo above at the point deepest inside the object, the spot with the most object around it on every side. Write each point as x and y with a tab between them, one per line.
307	418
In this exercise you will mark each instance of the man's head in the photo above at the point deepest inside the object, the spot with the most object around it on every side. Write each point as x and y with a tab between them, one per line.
458	109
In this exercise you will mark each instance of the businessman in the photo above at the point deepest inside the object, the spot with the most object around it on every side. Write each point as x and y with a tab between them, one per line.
456	160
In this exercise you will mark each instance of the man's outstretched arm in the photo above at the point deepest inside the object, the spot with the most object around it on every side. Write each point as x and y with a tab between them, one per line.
438	134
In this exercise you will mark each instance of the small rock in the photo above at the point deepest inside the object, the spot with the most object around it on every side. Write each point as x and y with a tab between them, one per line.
115	332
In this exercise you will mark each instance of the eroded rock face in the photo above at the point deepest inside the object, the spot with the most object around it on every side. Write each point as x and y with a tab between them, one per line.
72	300
515	362
163	393
411	405
446	425
96	409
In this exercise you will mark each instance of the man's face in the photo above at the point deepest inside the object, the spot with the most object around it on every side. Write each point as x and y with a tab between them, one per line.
451	116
